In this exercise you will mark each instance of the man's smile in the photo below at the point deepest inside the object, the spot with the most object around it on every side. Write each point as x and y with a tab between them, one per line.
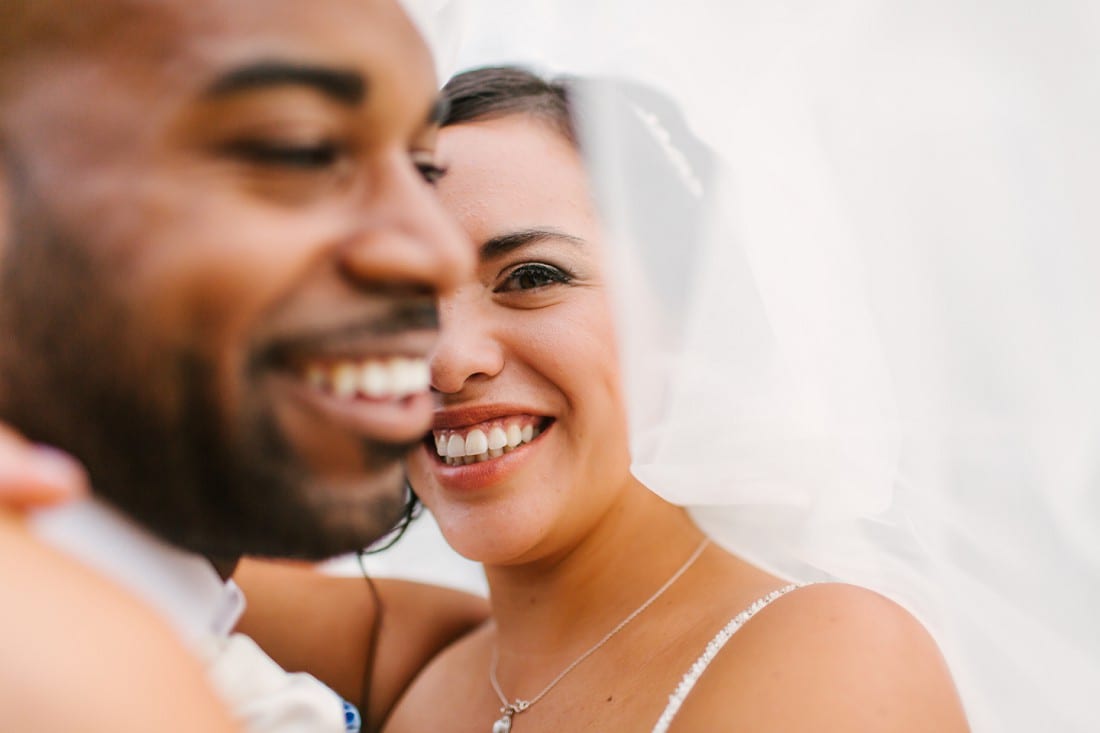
375	378
373	386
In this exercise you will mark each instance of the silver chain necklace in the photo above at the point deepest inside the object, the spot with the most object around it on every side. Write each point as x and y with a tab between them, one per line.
511	709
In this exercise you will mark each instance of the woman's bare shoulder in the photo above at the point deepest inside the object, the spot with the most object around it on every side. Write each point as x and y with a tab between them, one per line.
828	657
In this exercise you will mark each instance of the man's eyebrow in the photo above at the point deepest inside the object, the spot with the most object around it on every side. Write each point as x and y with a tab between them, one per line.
504	243
347	87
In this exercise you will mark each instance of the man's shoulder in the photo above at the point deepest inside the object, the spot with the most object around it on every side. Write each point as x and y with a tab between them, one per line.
182	586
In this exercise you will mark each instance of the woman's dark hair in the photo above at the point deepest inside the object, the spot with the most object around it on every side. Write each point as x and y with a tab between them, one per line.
498	91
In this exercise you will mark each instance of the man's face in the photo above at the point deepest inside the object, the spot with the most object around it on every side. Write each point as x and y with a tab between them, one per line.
219	261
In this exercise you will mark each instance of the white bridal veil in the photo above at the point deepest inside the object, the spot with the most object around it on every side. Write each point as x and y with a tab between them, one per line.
857	257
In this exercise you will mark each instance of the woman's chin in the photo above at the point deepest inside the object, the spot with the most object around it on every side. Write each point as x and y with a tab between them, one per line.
491	541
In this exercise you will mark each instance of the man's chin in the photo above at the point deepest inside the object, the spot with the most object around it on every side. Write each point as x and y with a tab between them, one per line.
276	515
327	521
349	516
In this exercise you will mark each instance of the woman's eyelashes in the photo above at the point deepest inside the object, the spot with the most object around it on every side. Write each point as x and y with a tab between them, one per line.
429	171
531	276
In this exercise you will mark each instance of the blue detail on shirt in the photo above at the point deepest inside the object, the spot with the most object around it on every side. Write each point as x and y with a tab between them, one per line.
353	721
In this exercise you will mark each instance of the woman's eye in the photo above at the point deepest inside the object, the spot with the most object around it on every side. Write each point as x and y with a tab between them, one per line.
305	157
532	276
430	172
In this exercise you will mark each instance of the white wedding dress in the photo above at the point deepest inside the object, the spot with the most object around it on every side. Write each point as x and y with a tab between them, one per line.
862	336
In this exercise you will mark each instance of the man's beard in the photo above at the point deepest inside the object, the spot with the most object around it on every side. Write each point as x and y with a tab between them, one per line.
75	372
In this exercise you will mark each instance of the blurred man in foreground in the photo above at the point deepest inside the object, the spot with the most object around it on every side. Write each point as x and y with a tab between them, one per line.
219	256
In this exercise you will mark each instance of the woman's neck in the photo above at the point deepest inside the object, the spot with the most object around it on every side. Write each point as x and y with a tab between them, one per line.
560	605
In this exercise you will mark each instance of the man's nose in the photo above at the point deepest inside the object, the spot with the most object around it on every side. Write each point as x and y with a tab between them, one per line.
407	238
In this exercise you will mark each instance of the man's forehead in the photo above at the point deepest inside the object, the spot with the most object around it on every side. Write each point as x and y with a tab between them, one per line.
152	75
189	36
350	49
73	18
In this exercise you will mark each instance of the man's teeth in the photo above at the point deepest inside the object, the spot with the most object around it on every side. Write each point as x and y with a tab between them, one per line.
480	444
391	378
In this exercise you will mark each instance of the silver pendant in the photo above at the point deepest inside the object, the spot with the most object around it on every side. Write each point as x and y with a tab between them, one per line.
504	725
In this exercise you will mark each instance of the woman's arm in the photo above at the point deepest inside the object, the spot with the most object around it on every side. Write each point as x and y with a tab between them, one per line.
311	622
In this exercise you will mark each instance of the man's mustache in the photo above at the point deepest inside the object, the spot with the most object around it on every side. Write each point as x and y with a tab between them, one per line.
401	315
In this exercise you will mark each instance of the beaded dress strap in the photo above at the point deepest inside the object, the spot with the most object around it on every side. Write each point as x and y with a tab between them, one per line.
676	699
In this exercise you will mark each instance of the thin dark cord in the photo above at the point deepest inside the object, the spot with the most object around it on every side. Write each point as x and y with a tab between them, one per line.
372	643
412	511
413	508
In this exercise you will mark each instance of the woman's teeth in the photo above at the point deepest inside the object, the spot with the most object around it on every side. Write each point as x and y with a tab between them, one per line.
458	447
381	378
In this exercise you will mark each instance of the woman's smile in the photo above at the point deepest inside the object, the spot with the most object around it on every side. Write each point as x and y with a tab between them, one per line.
488	439
485	454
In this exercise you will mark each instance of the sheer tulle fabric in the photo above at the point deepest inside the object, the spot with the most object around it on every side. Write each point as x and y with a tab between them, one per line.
856	254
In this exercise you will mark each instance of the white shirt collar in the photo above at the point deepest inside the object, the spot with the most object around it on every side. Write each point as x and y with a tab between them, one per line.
183	586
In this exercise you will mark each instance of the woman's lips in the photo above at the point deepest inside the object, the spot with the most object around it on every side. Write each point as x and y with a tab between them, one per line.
487	467
487	439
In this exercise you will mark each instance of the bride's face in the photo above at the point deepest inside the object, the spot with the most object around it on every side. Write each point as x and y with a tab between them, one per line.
529	447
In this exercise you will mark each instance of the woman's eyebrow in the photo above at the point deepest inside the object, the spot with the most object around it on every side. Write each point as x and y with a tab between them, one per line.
504	243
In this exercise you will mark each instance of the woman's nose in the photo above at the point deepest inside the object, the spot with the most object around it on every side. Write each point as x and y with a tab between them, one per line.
467	350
